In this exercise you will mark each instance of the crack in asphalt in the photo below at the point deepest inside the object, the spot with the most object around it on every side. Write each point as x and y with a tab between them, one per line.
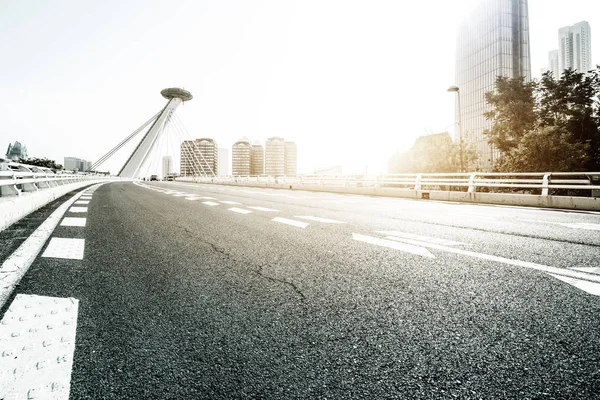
295	288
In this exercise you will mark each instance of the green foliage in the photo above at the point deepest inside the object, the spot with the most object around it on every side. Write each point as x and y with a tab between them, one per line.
433	154
41	162
547	125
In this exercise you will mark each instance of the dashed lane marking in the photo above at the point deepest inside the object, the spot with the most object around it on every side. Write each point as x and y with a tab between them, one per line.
37	343
85	197
229	202
421	238
73	221
17	264
82	202
319	219
407	248
193	198
75	209
210	203
263	209
65	248
239	210
291	222
181	195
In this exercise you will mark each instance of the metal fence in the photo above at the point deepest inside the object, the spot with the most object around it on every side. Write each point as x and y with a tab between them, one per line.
16	178
541	183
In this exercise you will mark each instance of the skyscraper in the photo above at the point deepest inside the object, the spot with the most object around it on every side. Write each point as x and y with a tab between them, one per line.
493	41
76	164
553	63
16	151
199	157
167	166
240	156
291	155
257	160
575	47
275	156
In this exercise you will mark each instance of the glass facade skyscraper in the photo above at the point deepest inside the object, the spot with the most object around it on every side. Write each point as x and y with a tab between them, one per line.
493	41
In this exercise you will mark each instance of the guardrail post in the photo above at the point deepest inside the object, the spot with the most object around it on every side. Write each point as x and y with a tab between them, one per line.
418	182
472	188
545	182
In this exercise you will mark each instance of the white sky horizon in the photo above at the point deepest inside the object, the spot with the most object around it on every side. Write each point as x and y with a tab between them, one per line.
351	82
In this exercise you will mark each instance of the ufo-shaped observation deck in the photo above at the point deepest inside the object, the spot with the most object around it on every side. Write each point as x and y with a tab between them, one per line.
171	93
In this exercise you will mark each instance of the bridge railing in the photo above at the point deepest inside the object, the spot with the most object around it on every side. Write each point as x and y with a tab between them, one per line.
541	183
16	178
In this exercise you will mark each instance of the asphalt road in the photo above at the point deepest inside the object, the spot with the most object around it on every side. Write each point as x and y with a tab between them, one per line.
183	297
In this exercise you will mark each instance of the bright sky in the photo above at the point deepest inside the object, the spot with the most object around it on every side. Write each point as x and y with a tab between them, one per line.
349	81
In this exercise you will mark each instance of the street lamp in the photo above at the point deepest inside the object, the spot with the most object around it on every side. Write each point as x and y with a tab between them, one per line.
456	90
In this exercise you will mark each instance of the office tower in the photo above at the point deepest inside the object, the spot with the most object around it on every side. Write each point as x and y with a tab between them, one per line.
291	155
240	156
76	164
493	41
257	160
16	151
199	157
275	157
223	162
553	63
167	166
575	47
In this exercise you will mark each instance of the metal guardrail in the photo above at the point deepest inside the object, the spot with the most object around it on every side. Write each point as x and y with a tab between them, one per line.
16	178
542	183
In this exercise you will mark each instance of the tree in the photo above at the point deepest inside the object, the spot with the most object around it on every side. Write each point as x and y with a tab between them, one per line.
513	112
433	154
41	162
545	150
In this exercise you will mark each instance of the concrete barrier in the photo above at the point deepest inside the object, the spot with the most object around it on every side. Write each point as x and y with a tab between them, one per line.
510	199
13	208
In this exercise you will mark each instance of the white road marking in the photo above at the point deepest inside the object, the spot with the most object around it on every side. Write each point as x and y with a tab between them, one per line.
421	251
85	197
73	221
210	203
292	222
82	202
229	202
319	219
586	286
421	238
17	264
37	339
589	270
503	260
239	210
65	248
181	195
583	225
78	209
193	198
264	209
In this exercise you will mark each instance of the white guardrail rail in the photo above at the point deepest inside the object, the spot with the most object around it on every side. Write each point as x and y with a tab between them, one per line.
16	178
542	183
568	190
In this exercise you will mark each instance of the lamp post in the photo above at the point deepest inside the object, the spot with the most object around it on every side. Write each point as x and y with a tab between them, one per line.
456	90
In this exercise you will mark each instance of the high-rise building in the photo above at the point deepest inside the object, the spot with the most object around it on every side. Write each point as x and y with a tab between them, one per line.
291	155
76	164
167	166
16	151
240	158
575	47
275	156
199	157
257	160
493	41
223	161
553	63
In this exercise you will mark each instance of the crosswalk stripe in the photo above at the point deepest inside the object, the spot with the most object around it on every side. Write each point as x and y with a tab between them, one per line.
73	221
210	203
263	209
75	209
239	210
